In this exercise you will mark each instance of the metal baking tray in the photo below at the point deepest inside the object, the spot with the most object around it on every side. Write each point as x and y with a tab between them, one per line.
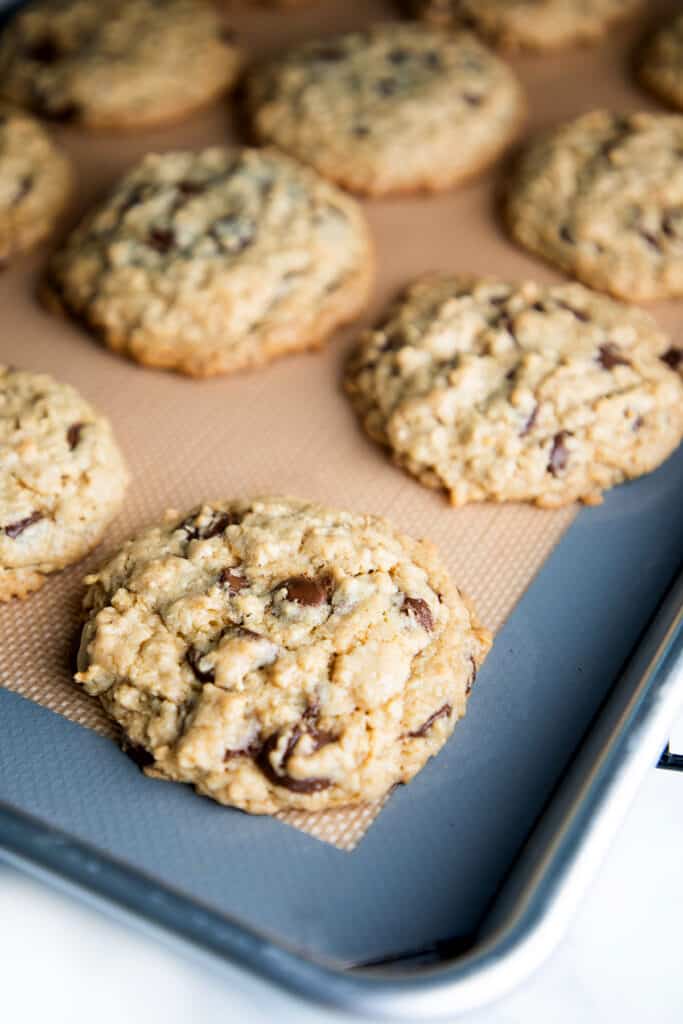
468	876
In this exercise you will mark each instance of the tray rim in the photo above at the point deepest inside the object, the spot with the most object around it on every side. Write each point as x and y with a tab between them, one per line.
528	917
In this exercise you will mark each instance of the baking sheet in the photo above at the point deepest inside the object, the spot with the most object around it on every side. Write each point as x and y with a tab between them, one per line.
288	428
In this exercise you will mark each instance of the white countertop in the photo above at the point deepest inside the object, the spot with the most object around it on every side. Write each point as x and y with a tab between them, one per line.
622	960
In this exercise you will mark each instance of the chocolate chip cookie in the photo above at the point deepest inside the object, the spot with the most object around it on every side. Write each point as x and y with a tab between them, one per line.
517	392
602	198
117	63
62	479
213	261
393	109
34	182
277	654
661	62
528	24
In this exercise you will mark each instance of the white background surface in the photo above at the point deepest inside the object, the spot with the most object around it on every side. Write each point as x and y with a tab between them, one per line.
622	960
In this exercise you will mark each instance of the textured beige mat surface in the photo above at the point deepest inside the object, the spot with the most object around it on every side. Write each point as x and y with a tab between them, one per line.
286	428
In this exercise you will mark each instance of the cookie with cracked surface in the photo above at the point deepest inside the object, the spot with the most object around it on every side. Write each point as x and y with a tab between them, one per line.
517	392
117	63
602	198
62	479
528	24
213	261
35	180
277	654
660	65
397	108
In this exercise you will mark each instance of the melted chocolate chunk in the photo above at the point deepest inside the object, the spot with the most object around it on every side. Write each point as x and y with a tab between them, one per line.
232	581
559	455
329	54
280	777
252	750
609	356
191	188
45	50
138	755
673	357
420	610
161	239
14	530
443	712
193	658
73	435
578	313
651	240
216	526
307	591
66	112
529	425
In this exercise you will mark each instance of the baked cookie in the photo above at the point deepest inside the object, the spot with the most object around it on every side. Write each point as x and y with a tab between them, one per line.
62	479
661	62
278	654
602	198
397	108
528	24
117	63
34	182
212	261
517	392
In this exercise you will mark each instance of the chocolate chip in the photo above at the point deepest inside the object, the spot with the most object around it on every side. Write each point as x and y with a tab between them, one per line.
138	755
559	455
473	99
307	591
433	60
566	235
232	581
329	54
386	86
280	777
45	50
651	240
13	530
73	435
216	527
473	677
578	313
218	524
529	425
673	357
609	356
420	610
161	239
637	424
65	112
361	130
443	712
193	658
191	188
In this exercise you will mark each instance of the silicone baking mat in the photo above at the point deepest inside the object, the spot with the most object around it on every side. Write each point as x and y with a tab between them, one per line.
287	427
